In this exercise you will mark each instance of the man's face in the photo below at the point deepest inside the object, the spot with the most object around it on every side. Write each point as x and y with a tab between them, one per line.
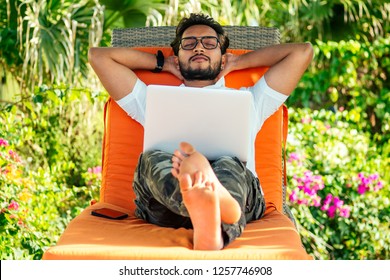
200	63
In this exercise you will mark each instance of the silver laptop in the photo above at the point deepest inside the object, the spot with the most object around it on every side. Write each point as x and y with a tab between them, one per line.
215	121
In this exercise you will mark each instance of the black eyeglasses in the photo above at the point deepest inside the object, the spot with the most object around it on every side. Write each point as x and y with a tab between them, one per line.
208	42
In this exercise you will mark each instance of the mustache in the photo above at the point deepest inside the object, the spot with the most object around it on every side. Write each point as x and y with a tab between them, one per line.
199	55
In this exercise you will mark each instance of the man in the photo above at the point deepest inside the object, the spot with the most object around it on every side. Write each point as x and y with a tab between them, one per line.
216	198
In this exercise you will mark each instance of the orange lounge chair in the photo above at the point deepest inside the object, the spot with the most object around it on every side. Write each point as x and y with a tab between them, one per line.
274	236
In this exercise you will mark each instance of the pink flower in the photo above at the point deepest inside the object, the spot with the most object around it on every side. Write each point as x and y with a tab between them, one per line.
362	188
95	170
373	177
317	201
3	142
332	211
294	196
325	207
317	178
338	202
13	205
345	211
303	201
328	198
293	157
14	156
378	186
370	183
309	191
365	181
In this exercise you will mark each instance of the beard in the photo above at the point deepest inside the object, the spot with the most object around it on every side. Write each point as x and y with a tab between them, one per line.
207	74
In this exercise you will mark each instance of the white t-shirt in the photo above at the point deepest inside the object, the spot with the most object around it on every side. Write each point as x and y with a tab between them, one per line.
266	101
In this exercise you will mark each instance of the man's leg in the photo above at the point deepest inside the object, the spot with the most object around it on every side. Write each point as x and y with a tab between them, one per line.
157	189
239	193
201	199
158	197
245	188
188	160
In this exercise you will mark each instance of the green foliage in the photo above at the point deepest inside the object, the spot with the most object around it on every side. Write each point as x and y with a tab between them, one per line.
47	41
338	186
129	13
48	148
35	208
353	76
298	20
59	129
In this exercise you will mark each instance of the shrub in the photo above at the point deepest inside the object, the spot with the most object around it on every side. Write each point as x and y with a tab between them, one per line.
337	186
59	129
50	150
34	207
353	76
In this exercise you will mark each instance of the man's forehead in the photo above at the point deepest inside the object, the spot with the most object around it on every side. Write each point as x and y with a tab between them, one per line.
197	30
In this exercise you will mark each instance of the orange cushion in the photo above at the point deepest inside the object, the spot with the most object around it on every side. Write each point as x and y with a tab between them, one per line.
123	141
89	237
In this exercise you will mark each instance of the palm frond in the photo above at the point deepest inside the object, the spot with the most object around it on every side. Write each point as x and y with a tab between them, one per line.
53	34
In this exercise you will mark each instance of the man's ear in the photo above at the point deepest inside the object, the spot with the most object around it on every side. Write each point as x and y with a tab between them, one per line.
223	61
176	60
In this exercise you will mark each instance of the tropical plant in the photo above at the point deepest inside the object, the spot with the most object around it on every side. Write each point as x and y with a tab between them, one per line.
298	20
129	13
47	41
335	20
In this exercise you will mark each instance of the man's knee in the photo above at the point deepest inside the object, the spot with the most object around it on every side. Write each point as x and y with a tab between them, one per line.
227	162
150	159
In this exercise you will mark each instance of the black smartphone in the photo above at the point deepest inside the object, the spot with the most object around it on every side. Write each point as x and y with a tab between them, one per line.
109	214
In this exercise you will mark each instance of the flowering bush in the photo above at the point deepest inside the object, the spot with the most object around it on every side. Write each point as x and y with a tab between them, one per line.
46	146
351	75
306	193
34	208
337	188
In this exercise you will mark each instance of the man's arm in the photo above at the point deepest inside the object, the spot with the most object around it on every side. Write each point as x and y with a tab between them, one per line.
114	67
287	64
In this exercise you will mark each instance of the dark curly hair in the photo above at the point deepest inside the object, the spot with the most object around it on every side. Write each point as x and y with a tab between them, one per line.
199	19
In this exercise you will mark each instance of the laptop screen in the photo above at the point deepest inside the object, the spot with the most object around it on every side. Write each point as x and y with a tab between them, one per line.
215	121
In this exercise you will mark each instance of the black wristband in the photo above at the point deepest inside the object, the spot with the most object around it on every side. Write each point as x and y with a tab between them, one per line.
160	62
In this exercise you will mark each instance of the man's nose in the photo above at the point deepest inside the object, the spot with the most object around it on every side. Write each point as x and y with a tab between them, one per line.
199	46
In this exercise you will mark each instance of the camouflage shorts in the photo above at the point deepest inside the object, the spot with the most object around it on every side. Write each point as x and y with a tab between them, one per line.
159	201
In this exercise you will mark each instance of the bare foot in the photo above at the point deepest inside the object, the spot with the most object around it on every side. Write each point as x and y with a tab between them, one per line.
202	204
188	161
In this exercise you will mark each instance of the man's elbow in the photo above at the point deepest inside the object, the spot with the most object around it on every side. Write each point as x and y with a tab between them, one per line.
307	52
97	56
92	55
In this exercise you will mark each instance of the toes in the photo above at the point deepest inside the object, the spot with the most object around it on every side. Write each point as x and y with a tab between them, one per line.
199	178
176	165
175	172
185	182
178	155
187	148
212	186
